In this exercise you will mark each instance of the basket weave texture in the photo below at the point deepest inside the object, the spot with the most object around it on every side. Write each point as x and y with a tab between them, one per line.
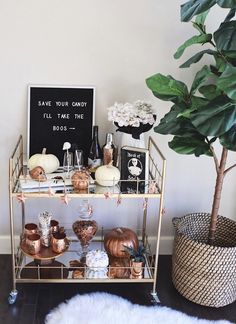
203	273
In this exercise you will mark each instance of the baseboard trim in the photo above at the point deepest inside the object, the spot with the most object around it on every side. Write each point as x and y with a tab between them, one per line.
5	244
166	244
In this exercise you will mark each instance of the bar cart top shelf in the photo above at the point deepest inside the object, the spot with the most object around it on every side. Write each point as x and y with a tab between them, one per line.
20	182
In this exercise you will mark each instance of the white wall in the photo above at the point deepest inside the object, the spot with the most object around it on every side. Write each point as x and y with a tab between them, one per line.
113	45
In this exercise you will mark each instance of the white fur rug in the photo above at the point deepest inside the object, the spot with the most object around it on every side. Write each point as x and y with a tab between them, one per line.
103	308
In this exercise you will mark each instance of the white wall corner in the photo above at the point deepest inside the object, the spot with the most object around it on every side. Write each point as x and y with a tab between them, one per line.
5	244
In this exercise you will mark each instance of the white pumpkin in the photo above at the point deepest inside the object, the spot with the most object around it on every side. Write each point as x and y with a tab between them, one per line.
107	175
96	262
48	162
97	258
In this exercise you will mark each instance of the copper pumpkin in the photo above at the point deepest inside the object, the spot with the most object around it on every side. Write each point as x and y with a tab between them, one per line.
116	240
80	180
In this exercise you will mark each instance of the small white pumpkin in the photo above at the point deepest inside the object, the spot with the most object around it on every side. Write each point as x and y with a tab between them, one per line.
107	175
96	262
48	162
97	258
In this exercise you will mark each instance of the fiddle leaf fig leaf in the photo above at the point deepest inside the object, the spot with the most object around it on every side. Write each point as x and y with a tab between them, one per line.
170	124
197	57
220	63
194	7
227	81
200	19
186	113
209	91
226	3
200	78
197	102
167	88
230	54
199	39
215	118
230	15
225	36
190	145
200	28
228	140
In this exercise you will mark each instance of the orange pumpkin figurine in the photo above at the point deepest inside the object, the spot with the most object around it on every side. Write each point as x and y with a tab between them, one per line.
116	240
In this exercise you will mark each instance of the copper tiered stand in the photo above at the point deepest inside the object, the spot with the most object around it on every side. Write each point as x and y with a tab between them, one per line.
44	268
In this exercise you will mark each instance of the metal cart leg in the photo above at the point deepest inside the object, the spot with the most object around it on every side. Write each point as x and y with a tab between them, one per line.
12	297
13	294
155	299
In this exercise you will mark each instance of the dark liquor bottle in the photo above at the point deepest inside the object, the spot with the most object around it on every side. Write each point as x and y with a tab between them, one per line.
110	151
95	152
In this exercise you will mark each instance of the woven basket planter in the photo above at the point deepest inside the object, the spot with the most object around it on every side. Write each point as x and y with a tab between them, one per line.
203	273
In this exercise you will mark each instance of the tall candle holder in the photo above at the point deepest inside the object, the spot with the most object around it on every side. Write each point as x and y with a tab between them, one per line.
44	227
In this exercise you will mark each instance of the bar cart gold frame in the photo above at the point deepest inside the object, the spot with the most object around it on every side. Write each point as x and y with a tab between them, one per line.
157	171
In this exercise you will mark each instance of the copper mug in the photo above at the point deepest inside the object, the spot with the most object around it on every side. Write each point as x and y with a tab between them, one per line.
54	226
59	242
33	243
30	228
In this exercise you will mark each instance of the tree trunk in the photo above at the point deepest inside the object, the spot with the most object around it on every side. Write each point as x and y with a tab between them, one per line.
217	196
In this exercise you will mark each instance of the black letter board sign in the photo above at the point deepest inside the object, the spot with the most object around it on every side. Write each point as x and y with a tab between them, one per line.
58	114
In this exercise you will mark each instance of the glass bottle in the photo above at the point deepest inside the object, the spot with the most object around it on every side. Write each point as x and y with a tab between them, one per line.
110	151
95	152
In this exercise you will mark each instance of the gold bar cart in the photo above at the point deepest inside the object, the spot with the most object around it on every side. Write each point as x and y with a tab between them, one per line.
34	272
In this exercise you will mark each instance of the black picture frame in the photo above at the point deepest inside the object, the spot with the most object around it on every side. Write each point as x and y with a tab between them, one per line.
58	114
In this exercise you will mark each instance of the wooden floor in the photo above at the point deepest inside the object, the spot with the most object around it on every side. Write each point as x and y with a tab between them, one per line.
36	300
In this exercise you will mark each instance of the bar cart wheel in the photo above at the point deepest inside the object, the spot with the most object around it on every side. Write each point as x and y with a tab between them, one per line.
12	297
155	300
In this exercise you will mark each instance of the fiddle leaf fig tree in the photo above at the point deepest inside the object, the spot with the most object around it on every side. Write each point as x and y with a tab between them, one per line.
205	112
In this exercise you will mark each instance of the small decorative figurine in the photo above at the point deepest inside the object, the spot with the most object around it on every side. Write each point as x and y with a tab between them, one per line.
38	174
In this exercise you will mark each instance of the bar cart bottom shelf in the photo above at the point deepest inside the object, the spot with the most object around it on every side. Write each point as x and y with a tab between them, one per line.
56	270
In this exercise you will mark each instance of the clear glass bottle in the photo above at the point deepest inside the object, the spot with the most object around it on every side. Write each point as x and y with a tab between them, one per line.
110	151
95	152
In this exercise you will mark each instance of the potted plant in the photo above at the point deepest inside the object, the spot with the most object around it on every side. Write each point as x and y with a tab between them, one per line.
137	261
204	256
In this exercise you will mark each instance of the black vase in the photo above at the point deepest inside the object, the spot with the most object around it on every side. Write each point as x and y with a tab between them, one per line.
134	131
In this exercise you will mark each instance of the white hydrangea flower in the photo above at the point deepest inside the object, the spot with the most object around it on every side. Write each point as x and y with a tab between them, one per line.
131	114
